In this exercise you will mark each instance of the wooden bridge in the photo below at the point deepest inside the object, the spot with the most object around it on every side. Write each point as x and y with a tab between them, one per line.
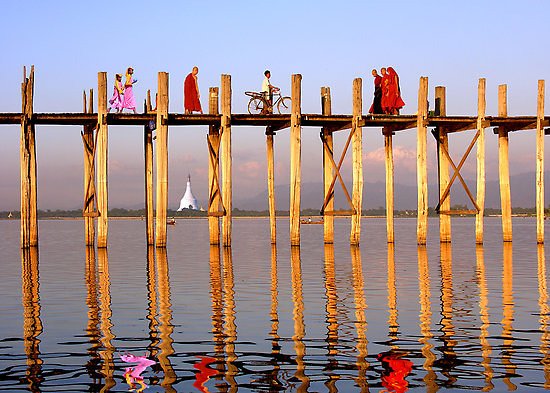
220	120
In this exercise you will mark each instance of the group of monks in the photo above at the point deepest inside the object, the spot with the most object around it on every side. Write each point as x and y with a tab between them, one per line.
387	94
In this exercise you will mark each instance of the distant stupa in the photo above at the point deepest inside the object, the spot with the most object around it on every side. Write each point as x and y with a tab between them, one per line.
188	201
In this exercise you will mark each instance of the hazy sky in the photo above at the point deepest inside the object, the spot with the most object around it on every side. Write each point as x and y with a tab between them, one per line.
330	43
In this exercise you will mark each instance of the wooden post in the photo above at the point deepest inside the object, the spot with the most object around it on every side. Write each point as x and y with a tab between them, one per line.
213	174
162	159
328	170
357	156
443	141
388	149
271	184
101	160
504	168
89	174
295	159
540	163
29	222
148	151
421	168
226	159
480	199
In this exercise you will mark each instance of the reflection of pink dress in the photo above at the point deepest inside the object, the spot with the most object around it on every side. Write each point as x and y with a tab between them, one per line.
129	99
116	100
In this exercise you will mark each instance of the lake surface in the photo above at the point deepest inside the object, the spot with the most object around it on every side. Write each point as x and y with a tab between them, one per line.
256	318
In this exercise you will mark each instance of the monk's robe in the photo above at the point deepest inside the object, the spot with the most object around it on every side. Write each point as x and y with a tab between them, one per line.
191	95
376	107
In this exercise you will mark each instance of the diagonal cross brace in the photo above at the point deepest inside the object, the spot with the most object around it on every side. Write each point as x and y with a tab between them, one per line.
214	153
90	191
457	173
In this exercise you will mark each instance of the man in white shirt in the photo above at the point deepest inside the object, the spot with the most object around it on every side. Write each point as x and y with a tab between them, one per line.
267	91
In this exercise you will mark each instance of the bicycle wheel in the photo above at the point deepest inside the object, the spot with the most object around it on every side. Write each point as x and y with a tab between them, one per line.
283	106
255	106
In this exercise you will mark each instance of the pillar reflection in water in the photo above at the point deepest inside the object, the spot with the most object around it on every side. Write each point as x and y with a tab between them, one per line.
449	358
426	320
331	317
105	324
484	318
544	316
32	324
274	316
508	314
165	326
298	316
92	329
216	294
393	324
360	318
229	318
152	305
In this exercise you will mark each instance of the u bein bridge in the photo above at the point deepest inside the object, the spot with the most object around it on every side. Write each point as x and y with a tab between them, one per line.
220	119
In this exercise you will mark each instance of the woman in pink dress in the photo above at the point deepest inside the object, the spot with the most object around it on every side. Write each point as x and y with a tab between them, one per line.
129	99
118	92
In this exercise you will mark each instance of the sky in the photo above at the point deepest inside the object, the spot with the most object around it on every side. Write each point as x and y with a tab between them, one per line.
329	43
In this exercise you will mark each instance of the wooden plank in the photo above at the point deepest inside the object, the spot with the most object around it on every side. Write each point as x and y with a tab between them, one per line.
213	174
101	161
271	187
295	159
457	212
388	150
148	168
443	143
480	156
162	160
421	167
504	168
226	159
342	213
357	157
540	163
328	169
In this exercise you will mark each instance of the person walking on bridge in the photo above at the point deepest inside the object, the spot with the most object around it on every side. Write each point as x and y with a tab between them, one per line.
191	93
129	98
267	91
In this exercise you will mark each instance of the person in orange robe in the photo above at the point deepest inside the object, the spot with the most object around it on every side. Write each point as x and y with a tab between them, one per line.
191	93
384	86
394	101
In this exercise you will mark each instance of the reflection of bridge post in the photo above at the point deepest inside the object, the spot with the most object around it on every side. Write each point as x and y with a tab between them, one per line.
105	320
216	293
92	328
508	314
331	317
544	315
361	320
274	316
152	300
426	319
165	326
229	315
32	325
448	362
484	317
392	297
298	316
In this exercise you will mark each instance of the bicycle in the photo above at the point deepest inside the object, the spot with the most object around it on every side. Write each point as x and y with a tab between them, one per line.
259	105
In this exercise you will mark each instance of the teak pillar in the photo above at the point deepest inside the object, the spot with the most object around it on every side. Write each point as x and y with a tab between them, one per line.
89	174
540	163
328	170
213	173
148	151
227	188
421	168
504	168
388	150
443	143
29	221
101	160
480	198
162	160
295	159
271	184
357	156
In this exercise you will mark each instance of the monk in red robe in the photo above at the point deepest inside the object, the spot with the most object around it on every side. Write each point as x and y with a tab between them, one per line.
384	88
394	102
191	93
376	107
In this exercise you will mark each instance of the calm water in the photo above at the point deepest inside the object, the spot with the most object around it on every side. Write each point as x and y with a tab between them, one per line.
256	318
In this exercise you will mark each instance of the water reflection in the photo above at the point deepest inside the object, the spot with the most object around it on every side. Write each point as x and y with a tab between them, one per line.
425	320
274	382
298	317
484	318
393	325
230	327
92	329
105	325
360	318
544	318
331	318
216	294
32	324
508	315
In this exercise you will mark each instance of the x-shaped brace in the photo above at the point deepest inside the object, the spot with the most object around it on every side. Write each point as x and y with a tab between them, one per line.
214	153
90	150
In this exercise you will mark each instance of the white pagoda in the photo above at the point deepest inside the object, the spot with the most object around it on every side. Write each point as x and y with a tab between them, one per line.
188	201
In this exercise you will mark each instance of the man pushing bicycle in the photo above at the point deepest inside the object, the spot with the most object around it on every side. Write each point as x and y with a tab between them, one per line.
267	91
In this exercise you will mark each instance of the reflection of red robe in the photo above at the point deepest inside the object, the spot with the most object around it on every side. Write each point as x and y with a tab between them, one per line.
204	373
191	98
395	380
